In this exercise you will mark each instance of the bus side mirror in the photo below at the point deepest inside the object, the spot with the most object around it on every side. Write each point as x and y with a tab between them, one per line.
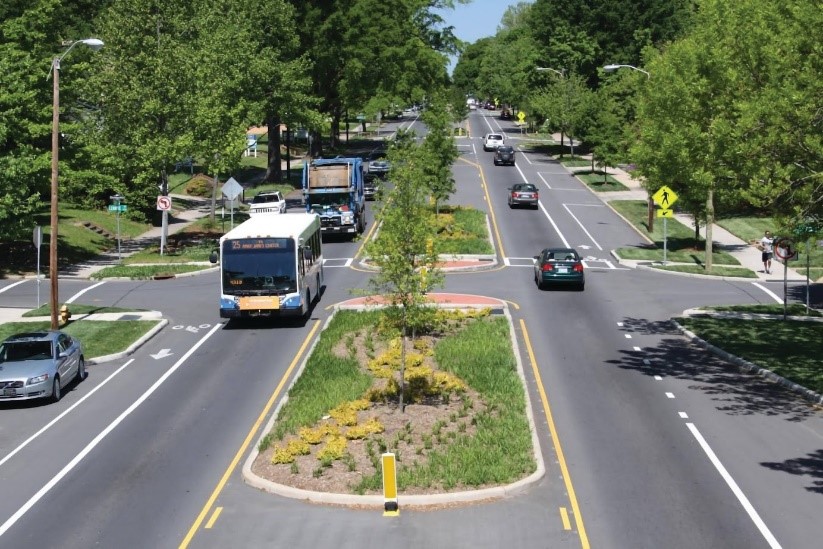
307	254
213	256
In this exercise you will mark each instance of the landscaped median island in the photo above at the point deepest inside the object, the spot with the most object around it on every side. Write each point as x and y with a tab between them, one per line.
464	425
758	334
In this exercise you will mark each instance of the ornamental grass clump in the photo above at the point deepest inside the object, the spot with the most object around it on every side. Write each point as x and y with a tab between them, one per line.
370	427
292	449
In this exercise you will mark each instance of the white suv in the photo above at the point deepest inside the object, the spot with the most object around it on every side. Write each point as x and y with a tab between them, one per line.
268	202
492	141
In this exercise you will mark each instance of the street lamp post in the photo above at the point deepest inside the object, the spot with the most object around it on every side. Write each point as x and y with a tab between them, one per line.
562	74
612	68
94	44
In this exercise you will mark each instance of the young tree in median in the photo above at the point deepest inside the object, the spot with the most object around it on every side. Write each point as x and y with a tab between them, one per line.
438	152
404	249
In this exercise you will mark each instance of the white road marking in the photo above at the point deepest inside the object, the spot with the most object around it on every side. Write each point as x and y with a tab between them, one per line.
628	336
63	414
658	378
741	497
99	438
582	227
10	286
669	395
637	349
768	292
620	324
81	292
683	415
544	180
647	362
521	174
556	228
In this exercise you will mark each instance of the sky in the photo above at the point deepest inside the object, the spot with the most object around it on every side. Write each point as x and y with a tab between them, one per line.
476	20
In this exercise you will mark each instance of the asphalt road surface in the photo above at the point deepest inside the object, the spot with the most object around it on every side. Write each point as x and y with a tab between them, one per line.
648	441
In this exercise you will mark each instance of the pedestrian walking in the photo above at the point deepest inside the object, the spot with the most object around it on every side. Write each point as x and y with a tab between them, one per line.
767	249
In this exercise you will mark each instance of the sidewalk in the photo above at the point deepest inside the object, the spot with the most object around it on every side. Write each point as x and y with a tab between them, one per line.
748	255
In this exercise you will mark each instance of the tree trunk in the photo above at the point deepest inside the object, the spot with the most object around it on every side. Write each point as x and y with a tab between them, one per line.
213	198
274	173
562	134
709	223
651	215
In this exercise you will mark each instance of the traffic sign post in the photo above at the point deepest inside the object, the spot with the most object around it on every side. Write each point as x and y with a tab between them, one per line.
117	207
231	189
665	198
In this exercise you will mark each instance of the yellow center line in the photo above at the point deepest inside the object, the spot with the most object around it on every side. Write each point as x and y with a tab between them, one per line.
491	207
243	447
578	517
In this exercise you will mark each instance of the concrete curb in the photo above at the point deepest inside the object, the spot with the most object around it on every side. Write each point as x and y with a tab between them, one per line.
750	367
133	347
377	501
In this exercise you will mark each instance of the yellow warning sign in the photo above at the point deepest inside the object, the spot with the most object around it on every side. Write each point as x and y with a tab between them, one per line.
521	116
664	197
664	212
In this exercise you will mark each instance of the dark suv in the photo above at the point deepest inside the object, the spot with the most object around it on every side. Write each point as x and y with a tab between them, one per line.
504	155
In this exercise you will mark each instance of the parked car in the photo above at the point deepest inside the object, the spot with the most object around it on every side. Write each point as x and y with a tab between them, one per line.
39	365
523	194
378	164
505	113
371	186
268	202
504	155
492	141
559	266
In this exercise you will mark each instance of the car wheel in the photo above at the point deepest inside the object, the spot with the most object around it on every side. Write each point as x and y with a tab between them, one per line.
581	286
81	370
56	393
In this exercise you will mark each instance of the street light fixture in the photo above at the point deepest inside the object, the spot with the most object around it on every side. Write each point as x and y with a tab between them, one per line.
612	68
549	69
95	44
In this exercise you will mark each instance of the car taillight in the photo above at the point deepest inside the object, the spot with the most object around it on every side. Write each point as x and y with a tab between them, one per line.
547	267
578	268
515	195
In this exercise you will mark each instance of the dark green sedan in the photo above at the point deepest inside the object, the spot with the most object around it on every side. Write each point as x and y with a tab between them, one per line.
559	266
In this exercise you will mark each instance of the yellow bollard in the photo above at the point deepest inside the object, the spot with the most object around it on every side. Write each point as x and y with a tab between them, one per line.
390	506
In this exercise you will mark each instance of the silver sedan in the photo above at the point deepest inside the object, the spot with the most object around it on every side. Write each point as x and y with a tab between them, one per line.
39	365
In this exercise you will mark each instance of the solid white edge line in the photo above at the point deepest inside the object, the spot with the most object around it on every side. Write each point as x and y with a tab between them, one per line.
63	414
741	497
768	292
81	292
544	180
521	173
556	228
10	286
584	228
103	434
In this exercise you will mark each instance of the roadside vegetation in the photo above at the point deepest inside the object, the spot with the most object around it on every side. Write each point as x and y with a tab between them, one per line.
344	410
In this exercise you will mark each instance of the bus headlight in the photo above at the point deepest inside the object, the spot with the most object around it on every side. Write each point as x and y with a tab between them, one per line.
292	301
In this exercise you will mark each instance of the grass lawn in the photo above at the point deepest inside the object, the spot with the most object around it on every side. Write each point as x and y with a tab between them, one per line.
596	181
796	357
99	337
680	238
142	272
793	309
78	309
462	230
716	270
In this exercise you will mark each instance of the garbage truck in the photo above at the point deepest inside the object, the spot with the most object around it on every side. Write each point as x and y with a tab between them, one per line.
333	189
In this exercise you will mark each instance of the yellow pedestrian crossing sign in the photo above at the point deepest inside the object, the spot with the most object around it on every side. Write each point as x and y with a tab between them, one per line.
521	116
665	212
664	197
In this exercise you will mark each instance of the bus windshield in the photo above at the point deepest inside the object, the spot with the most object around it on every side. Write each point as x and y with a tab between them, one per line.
259	266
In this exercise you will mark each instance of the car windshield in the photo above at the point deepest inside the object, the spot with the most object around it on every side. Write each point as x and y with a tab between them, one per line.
561	255
495	137
377	156
263	198
504	149
13	351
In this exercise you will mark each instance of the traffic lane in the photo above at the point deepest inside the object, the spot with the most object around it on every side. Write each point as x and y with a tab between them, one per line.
767	437
639	475
251	518
41	438
149	476
23	293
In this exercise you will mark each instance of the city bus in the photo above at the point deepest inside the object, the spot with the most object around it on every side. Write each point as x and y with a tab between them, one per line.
270	265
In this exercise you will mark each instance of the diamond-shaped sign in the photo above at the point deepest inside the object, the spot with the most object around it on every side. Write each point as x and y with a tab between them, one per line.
231	189
664	197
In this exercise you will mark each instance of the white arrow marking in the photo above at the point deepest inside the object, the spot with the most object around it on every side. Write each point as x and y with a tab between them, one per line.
583	246
162	353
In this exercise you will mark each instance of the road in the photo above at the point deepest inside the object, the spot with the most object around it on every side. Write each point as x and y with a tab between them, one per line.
648	441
